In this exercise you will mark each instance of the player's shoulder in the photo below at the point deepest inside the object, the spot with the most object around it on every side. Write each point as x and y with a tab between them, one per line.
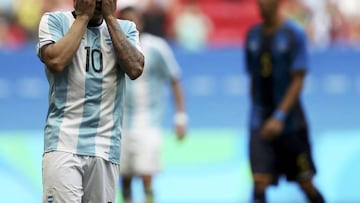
56	18
125	22
57	13
254	30
127	25
294	28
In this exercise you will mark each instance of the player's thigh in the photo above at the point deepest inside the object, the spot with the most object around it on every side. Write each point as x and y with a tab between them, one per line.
62	178
100	181
147	159
127	154
262	154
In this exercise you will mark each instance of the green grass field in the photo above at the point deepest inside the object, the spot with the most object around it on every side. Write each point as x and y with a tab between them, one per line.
210	166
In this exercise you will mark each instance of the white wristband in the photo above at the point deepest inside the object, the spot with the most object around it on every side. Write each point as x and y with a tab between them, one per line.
180	118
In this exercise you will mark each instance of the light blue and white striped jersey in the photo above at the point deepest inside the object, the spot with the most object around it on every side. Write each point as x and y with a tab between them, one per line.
145	96
86	99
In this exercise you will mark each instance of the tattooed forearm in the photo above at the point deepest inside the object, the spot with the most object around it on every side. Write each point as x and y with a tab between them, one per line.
130	59
128	55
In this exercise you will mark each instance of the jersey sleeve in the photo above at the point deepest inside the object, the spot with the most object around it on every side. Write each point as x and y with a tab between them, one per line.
50	30
300	57
167	61
132	35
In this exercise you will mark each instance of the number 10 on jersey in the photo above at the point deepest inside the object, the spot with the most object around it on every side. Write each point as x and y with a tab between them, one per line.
94	58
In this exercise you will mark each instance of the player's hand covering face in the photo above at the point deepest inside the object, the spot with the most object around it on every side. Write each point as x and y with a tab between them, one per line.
108	7
85	7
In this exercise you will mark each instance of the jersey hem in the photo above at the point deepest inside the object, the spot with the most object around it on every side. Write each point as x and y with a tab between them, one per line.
84	154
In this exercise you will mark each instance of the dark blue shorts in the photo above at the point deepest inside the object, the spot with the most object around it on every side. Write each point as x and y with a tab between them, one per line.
289	155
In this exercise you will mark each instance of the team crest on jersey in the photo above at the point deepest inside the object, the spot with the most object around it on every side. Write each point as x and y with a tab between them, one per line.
50	195
108	41
107	37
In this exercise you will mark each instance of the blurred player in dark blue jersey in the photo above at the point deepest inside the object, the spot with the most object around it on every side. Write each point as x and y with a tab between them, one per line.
276	60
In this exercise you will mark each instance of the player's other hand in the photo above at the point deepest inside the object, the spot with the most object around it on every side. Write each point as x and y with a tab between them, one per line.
180	131
272	128
108	8
85	8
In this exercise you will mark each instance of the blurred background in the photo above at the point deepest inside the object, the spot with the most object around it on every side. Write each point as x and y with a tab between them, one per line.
211	165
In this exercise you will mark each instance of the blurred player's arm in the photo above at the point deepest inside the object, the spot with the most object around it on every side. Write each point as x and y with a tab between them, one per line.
298	72
180	119
275	124
58	55
293	92
130	59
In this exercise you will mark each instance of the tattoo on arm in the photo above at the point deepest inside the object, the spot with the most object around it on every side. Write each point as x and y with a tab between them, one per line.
128	55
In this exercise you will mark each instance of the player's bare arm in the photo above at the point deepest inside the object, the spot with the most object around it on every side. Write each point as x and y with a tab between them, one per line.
273	126
58	55
293	92
180	116
129	57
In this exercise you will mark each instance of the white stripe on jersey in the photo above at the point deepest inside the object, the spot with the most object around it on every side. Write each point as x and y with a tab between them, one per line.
106	123
74	111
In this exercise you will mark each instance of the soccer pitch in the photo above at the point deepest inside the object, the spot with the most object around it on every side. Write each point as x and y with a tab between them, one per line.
211	165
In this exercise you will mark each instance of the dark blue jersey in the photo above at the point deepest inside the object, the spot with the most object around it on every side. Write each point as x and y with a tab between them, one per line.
270	61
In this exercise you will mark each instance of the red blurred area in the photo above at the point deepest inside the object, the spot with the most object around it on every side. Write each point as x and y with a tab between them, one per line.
326	23
231	19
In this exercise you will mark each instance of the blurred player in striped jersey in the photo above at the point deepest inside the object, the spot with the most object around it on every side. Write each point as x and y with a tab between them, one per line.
144	106
276	60
87	53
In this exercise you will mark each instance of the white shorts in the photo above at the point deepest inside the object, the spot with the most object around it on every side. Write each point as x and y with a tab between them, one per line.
140	152
72	178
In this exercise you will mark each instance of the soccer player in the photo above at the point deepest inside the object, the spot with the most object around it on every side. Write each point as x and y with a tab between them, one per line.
87	53
142	137
276	61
